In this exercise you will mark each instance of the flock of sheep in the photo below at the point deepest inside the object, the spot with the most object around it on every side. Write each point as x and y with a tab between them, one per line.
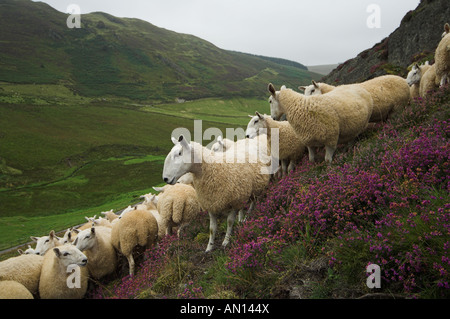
202	179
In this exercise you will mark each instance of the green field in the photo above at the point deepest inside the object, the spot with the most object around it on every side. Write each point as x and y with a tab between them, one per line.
72	158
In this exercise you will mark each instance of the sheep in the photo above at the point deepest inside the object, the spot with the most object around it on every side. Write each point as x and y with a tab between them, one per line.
45	243
429	82
95	243
414	78
177	206
252	146
68	237
187	179
56	281
290	148
29	250
10	289
110	215
317	88
389	93
136	228
25	269
442	57
221	186
325	120
104	222
88	224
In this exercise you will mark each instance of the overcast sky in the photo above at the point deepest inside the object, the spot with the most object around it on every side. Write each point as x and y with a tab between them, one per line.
310	32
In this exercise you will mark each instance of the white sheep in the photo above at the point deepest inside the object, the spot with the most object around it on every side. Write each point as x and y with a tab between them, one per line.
68	237
45	243
442	57
28	251
64	274
110	215
10	289
25	269
177	206
136	228
390	93
222	186
253	146
104	222
290	148
187	179
414	78
325	120
96	244
429	82
317	88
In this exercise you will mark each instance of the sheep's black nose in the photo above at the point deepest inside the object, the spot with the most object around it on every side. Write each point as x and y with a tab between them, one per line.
248	136
166	180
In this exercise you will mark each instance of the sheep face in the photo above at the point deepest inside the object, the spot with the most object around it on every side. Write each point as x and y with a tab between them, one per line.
178	162
414	75
313	89
219	146
70	255
276	110
256	124
45	243
67	238
85	239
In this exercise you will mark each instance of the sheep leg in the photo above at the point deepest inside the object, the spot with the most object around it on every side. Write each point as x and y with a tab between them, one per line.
329	151
230	222
180	229
443	80
241	215
131	264
283	168
311	154
291	166
212	232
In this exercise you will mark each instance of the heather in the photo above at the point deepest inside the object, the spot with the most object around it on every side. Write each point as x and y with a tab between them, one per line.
384	200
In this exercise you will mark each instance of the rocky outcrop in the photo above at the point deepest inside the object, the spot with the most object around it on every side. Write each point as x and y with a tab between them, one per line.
415	40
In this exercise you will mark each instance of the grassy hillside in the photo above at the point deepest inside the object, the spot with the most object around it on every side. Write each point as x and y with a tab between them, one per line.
384	200
129	58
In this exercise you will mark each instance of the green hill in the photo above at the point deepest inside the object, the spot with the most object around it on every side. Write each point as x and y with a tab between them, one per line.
131	58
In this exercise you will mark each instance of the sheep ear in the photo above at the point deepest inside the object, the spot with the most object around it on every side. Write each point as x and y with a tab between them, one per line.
57	251
220	139
76	230
259	115
272	90
158	189
447	28
20	251
52	234
174	140
302	88
283	88
33	238
93	229
250	116
315	84
183	142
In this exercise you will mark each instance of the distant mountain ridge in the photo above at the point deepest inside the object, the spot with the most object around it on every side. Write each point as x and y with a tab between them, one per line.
415	40
131	58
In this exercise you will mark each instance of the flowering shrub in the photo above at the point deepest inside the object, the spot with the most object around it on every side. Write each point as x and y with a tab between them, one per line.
191	292
388	205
